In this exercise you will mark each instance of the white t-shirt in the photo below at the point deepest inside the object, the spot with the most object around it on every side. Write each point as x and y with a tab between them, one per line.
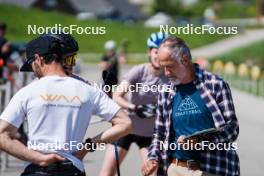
58	111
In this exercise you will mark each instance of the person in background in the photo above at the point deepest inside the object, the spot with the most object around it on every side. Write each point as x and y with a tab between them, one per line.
210	14
141	105
110	65
4	51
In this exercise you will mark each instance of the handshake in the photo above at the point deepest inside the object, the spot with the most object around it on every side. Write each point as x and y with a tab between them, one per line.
143	111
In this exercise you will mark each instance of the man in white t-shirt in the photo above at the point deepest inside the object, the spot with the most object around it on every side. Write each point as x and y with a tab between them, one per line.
58	109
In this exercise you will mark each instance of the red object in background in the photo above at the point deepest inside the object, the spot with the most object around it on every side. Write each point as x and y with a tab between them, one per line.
2	62
203	63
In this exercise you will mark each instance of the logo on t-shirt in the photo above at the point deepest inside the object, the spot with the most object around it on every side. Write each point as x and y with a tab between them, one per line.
61	100
188	107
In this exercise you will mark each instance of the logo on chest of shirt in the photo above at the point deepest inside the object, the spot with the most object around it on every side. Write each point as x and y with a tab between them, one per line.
188	107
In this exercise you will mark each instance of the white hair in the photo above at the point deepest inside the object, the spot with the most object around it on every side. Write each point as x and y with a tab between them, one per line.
177	48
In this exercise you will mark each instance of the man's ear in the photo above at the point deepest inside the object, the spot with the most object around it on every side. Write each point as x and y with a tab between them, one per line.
39	59
185	59
149	50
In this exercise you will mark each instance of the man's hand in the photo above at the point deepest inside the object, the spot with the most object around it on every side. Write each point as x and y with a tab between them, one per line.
47	159
182	139
149	167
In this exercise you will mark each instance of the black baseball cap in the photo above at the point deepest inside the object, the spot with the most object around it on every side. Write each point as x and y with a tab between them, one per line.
70	45
42	45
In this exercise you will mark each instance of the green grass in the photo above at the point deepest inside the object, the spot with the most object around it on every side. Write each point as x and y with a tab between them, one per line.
227	9
252	53
131	58
231	9
18	19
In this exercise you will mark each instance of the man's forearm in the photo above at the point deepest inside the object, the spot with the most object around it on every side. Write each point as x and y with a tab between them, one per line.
112	134
122	126
109	136
17	149
228	133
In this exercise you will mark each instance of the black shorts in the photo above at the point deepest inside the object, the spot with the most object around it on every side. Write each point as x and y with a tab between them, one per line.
62	168
141	141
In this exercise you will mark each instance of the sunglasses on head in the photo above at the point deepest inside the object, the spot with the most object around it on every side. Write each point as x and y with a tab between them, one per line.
70	60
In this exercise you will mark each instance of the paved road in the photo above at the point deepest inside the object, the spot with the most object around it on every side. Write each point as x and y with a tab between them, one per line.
250	114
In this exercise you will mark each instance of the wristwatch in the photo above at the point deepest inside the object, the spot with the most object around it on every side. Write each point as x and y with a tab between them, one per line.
89	145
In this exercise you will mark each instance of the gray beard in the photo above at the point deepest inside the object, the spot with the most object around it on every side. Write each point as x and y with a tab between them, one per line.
175	82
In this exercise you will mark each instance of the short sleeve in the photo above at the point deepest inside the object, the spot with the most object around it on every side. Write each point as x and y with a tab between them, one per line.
104	106
14	112
133	75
